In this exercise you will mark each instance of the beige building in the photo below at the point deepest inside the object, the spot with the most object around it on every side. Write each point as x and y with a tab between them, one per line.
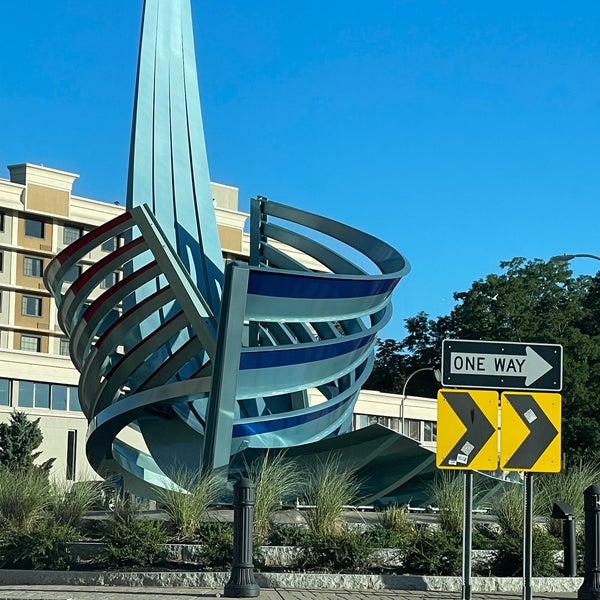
39	216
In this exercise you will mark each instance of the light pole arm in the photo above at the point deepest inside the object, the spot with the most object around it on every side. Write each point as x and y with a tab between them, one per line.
563	259
438	376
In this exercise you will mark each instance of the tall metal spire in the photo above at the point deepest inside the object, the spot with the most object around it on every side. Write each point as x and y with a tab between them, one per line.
168	167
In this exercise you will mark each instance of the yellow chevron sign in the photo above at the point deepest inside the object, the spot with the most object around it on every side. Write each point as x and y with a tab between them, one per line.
530	432
467	429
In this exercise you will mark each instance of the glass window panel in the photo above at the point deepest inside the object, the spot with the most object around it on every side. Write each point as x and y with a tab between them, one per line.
74	399
41	395
34	228
5	392
412	428
26	394
71	234
63	349
31	306
33	267
109	281
73	273
31	343
59	397
71	454
110	245
1	221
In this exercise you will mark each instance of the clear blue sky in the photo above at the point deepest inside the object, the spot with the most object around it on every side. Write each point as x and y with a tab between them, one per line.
464	133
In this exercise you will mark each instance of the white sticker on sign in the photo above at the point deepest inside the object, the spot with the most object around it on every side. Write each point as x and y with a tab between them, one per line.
468	448
530	416
462	459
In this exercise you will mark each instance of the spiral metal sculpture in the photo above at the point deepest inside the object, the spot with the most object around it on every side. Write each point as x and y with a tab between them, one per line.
205	361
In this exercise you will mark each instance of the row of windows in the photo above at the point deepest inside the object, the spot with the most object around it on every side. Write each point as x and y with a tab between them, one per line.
33	343
423	431
33	394
36	228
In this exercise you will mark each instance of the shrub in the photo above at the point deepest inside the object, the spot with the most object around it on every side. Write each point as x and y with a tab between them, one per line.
276	479
132	541
342	551
433	552
45	547
288	535
24	495
68	501
217	544
508	508
187	499
329	486
508	558
567	486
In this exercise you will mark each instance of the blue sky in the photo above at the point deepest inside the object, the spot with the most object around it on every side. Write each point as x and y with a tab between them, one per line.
464	133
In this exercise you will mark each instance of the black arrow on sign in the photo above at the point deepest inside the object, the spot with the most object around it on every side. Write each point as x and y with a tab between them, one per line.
541	432
479	429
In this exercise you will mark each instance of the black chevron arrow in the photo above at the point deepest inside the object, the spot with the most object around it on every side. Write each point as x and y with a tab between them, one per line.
541	432
479	429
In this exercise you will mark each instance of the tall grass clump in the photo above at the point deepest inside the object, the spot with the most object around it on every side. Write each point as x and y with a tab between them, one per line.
24	496
567	486
508	508
187	499
276	479
68	501
447	493
329	486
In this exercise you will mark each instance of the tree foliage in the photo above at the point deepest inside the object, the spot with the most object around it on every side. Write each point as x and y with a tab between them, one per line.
530	301
19	438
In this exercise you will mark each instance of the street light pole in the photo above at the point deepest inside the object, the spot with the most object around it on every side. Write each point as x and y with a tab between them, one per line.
563	259
438	375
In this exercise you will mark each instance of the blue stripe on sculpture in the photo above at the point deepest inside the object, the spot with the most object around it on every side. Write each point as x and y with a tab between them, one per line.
277	356
289	285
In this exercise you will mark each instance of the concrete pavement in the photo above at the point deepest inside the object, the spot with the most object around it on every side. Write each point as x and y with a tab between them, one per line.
68	592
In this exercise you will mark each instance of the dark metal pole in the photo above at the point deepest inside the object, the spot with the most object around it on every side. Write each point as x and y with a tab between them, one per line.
590	588
242	583
467	534
528	537
569	547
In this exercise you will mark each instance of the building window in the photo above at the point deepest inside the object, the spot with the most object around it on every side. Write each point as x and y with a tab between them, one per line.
429	431
33	267
5	399
109	245
34	395
63	348
73	273
31	343
31	306
59	397
71	454
74	399
1	221
109	281
34	228
70	234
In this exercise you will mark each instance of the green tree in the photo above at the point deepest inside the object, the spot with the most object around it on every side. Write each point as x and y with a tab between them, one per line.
530	301
19	438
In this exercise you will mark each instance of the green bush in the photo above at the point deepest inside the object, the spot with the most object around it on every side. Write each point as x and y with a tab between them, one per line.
433	552
68	501
24	496
276	479
508	558
329	486
45	547
288	535
382	537
132	541
187	499
217	544
342	551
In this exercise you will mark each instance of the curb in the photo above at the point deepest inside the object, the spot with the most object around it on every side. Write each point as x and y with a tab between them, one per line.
306	581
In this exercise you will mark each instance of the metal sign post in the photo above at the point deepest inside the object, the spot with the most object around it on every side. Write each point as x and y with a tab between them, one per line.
467	535
528	537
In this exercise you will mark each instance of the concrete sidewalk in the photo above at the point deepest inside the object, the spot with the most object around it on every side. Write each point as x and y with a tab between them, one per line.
68	592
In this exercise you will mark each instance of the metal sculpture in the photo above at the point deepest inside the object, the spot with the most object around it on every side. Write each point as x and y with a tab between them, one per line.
207	363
